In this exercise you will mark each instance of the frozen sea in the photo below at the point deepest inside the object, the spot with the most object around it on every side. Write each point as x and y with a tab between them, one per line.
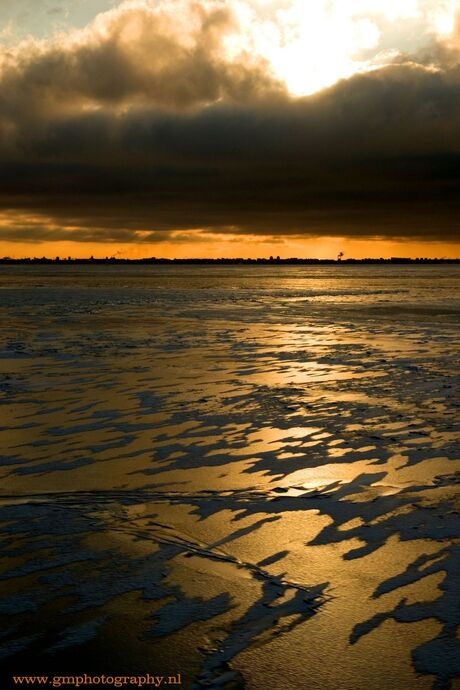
245	475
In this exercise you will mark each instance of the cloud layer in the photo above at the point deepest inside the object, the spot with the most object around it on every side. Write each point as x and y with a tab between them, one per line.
145	124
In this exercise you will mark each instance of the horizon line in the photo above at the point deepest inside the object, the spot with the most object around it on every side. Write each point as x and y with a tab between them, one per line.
221	260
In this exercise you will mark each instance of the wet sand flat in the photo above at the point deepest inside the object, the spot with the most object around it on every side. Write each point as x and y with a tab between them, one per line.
246	475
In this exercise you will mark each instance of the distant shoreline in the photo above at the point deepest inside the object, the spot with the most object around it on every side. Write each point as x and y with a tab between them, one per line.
226	262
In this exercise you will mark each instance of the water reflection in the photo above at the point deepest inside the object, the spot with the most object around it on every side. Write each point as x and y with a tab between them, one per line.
224	475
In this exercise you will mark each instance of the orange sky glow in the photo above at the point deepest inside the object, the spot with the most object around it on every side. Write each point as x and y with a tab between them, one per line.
241	246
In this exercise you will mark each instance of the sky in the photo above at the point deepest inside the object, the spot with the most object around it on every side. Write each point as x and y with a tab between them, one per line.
220	128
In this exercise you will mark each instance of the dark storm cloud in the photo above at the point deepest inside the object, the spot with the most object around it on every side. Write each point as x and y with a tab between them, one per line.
136	130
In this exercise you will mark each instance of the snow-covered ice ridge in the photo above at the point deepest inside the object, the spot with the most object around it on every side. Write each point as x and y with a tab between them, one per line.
248	475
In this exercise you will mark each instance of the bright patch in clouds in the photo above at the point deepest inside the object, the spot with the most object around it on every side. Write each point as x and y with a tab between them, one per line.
318	44
311	44
444	17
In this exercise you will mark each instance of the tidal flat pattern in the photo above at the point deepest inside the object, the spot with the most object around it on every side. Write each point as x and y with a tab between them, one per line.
245	475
